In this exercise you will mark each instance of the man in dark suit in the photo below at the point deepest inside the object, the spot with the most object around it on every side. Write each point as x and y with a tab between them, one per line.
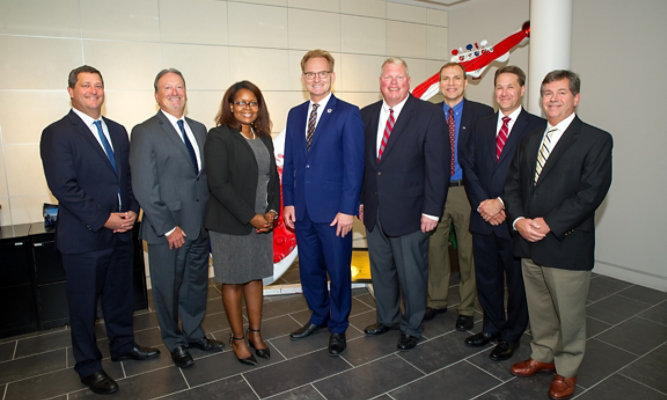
405	187
557	180
461	115
166	156
490	154
85	159
322	173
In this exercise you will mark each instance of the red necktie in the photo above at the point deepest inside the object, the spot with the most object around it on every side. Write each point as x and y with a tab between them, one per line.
387	132
451	124
501	139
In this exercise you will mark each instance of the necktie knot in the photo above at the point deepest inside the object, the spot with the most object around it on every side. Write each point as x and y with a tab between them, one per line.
506	120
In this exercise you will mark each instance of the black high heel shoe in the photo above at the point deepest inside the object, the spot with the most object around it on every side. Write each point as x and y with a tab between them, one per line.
251	360
262	353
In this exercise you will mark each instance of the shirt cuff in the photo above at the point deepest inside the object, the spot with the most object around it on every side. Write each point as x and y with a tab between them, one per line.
514	222
431	217
169	232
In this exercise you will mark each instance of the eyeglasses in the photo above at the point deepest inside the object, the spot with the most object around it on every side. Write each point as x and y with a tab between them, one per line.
311	75
243	104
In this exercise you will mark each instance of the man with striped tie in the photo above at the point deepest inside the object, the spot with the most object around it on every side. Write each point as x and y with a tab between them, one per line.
492	147
556	182
405	187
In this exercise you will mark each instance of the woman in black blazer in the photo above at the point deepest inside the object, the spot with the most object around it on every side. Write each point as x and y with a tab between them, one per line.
245	196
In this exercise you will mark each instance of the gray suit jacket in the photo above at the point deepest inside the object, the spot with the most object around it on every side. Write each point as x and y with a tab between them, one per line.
163	180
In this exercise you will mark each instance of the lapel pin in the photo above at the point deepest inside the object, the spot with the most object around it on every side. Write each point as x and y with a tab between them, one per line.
329	111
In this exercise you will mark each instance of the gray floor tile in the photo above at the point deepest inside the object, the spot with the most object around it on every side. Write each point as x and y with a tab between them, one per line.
361	321
650	369
39	344
289	304
7	350
600	361
43	386
144	386
25	367
644	294
295	372
294	348
148	337
594	327
657	313
144	321
233	388
368	348
221	365
368	380
215	322
620	387
307	392
359	307
448	381
637	335
602	286
278	327
528	388
441	352
501	369
615	309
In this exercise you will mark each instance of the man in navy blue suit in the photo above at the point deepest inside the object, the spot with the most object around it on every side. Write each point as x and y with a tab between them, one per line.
322	173
85	158
492	148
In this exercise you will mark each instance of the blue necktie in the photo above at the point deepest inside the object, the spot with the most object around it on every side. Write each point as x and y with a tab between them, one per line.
188	146
110	156
106	145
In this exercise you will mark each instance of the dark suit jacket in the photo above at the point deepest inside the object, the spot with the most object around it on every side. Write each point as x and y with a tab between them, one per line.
163	179
573	183
231	169
81	177
471	113
412	176
325	180
484	178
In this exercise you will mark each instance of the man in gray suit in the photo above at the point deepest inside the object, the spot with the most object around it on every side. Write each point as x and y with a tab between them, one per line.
168	180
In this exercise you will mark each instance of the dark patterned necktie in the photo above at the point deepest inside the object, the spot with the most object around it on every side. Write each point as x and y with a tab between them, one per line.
312	119
188	146
451	124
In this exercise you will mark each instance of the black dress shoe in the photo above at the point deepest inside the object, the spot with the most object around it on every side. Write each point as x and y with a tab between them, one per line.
336	344
465	322
432	312
376	329
250	360
100	383
182	357
206	344
305	331
503	350
407	342
480	339
261	353
138	353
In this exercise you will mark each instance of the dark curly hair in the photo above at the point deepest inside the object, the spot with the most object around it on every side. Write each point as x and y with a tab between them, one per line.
262	124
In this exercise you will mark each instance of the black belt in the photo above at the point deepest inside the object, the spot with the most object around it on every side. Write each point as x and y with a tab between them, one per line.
456	183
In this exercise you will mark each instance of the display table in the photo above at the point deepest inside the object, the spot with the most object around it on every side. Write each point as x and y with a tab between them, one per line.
32	279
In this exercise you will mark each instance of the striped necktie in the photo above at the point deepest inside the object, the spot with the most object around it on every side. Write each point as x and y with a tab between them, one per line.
501	139
543	154
312	119
188	146
387	131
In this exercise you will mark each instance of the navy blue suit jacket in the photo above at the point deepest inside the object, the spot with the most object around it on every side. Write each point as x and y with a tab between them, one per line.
573	182
325	180
412	176
484	178
81	177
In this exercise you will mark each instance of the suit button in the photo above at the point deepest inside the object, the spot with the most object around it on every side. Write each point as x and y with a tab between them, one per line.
307	166
379	173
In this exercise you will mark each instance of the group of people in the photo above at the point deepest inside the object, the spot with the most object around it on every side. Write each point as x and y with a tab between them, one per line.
521	193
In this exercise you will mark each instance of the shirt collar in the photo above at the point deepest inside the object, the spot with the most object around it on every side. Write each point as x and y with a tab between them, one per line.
564	124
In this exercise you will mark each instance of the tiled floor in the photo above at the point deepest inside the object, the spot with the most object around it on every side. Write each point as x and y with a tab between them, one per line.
626	357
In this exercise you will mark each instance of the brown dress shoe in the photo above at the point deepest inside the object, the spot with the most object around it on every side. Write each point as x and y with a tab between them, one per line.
531	367
562	387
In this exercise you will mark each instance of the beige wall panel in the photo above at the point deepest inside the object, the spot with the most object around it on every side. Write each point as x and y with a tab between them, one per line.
361	99
125	65
437	17
195	21
279	105
363	35
120	19
37	63
21	123
406	39
404	12
265	2
263	67
204	67
370	8
361	73
314	30
28	209
436	43
25	175
5	211
332	6
203	105
257	25
129	108
40	17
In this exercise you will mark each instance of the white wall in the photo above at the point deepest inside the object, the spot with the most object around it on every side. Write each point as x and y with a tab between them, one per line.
618	50
213	42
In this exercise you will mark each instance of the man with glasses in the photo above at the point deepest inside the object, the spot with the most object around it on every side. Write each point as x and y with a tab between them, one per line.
322	173
168	178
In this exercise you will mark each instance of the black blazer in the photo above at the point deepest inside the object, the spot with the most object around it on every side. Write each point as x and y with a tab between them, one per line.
79	174
412	177
231	169
572	184
484	178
